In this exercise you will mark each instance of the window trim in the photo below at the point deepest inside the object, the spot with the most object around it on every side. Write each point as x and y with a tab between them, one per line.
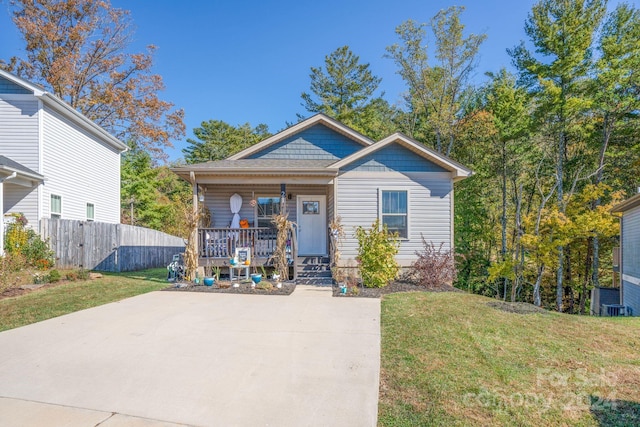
408	214
255	209
87	211
52	214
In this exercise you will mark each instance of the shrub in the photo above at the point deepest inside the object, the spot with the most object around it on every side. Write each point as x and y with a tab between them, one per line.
24	241
434	267
377	249
54	276
83	274
72	276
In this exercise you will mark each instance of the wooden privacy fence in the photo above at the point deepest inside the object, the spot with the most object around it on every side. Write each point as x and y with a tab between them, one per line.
108	247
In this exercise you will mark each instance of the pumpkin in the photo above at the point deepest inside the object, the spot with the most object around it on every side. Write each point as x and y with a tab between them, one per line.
247	262
244	223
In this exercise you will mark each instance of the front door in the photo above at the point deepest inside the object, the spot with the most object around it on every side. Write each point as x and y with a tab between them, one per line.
312	225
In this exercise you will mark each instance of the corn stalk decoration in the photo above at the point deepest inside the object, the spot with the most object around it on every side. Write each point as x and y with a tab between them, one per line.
283	225
191	251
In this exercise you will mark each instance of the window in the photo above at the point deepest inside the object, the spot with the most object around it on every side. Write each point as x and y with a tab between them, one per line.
56	206
266	207
394	211
91	211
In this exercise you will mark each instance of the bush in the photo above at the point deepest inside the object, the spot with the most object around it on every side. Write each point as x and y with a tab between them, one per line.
434	267
72	276
54	276
83	274
25	242
377	249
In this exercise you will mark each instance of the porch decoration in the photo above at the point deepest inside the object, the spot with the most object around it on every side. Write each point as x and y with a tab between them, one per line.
235	204
283	225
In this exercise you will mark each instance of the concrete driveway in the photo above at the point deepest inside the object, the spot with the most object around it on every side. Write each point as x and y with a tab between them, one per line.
167	358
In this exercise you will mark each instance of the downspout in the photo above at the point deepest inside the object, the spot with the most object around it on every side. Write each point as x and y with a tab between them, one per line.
13	175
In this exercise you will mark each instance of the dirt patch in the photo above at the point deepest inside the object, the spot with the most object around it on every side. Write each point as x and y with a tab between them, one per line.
393	287
263	288
25	289
517	307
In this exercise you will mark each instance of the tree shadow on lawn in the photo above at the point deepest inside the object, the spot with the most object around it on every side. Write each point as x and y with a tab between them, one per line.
615	413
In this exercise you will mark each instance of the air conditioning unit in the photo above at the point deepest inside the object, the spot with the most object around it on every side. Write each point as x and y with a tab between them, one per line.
614	310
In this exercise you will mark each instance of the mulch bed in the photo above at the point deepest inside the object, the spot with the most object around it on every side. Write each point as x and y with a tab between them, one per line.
244	288
25	289
393	287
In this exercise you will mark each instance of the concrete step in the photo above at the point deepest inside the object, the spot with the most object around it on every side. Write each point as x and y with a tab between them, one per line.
317	281
307	273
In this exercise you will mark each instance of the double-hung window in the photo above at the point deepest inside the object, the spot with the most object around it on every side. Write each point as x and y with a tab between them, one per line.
266	207
394	211
91	212
56	206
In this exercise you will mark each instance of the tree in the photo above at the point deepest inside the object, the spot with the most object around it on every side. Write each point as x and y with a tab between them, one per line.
155	196
343	89
77	50
437	92
563	34
616	91
218	140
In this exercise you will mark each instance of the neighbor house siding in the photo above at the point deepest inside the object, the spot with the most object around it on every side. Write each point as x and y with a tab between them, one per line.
429	207
631	259
81	169
315	143
19	142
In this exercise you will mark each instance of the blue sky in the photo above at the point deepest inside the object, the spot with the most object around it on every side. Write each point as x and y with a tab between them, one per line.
249	61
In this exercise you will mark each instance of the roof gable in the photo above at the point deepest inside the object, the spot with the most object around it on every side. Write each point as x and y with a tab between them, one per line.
317	142
398	152
334	140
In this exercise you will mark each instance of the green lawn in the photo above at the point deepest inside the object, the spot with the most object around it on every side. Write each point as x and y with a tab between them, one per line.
450	359
73	296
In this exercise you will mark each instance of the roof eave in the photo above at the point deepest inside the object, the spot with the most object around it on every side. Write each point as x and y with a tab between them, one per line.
628	204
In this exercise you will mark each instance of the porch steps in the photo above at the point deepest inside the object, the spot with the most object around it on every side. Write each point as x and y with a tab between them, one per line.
314	270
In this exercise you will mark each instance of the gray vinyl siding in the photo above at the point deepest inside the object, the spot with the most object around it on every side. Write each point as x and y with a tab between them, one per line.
217	200
429	206
81	169
19	142
330	211
393	157
631	258
10	87
315	143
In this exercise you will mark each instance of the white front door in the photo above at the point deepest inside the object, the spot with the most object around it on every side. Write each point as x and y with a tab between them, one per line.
312	225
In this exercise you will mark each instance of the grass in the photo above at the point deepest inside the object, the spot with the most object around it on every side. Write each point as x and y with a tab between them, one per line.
73	296
450	359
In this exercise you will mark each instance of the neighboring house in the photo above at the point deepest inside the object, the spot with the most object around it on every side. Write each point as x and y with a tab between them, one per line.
629	260
325	170
65	165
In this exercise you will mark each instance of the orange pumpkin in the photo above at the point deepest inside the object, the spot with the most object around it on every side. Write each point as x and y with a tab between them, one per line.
244	223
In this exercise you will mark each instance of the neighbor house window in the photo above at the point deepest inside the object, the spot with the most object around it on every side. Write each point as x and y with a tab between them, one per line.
56	206
394	211
266	207
91	212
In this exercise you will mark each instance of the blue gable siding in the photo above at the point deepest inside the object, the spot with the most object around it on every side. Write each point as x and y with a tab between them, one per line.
7	86
315	143
394	158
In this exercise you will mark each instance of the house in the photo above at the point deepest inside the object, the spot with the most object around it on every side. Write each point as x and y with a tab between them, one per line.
54	162
629	258
323	170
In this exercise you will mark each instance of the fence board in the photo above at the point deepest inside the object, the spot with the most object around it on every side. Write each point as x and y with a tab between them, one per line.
108	247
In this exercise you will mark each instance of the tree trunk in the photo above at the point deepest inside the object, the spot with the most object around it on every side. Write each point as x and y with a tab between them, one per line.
560	189
606	135
587	268
536	288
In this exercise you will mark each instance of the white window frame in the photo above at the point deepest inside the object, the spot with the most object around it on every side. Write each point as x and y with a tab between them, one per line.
408	214
87	211
52	214
255	209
